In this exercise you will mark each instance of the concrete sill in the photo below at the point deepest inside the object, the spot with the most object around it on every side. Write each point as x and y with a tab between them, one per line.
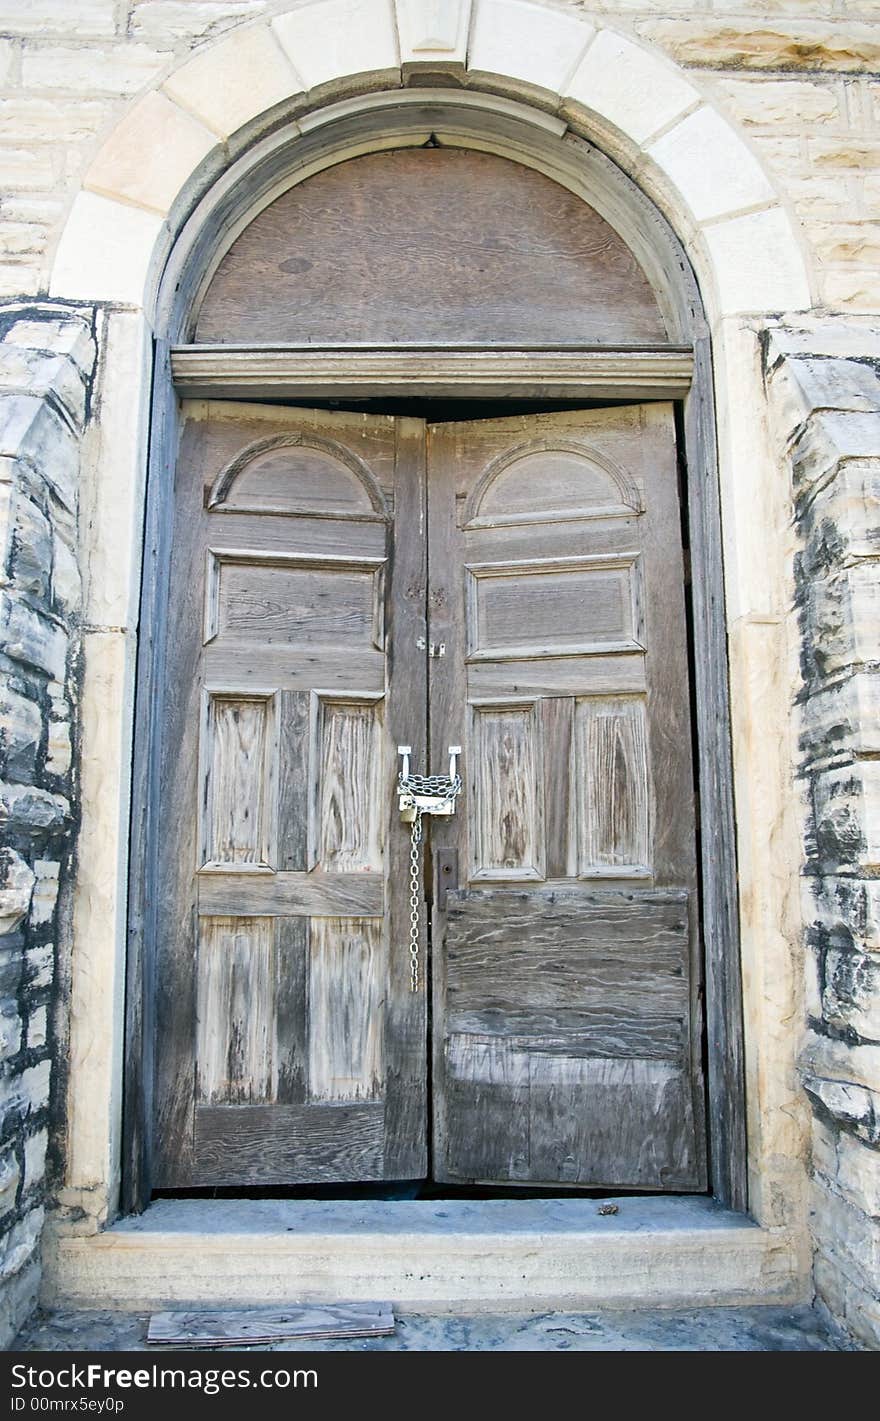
505	1254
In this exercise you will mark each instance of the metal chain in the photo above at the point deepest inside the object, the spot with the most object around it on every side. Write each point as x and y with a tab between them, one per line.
414	902
441	787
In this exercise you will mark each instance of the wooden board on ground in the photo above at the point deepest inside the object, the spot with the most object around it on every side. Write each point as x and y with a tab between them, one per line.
313	1321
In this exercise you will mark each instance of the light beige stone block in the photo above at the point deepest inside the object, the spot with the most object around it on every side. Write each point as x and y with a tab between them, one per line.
39	17
749	41
851	289
630	87
788	103
150	155
105	251
331	39
433	29
710	166
112	477
97	962
32	118
234	81
162	20
528	42
31	169
757	264
7	62
92	69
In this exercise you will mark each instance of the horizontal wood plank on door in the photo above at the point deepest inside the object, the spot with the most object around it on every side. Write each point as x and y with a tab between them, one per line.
556	676
325	895
302	373
624	1027
301	1144
291	668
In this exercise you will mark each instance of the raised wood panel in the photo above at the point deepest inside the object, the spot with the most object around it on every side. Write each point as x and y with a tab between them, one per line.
239	782
347	972
554	607
347	802
276	601
236	1043
296	1144
506	808
297	474
550	482
613	789
449	245
331	895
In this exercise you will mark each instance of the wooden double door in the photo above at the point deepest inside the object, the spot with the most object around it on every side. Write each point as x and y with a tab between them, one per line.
341	584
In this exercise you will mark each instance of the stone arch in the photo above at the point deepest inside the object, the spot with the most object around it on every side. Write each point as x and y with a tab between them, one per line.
178	155
651	119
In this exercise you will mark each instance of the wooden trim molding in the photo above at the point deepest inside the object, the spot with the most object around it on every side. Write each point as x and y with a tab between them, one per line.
264	372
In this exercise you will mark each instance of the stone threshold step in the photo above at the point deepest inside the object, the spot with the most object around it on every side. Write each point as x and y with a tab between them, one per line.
434	1256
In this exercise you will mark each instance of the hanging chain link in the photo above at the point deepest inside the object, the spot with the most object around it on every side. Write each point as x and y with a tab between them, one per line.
414	902
434	787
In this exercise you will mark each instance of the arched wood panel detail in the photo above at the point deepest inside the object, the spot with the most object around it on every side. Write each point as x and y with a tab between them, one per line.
575	481
297	473
430	246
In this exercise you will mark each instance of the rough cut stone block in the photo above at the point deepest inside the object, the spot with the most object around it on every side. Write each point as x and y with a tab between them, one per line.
35	1159
40	966
528	42
843	717
789	103
854	1106
853	1231
630	87
232	82
27	119
740	43
846	805
27	807
858	1174
27	1091
21	731
69	335
29	560
333	38
30	429
17	1249
10	1173
66	581
850	907
29	637
45	894
150	155
59	749
851	999
10	1029
16	886
35	373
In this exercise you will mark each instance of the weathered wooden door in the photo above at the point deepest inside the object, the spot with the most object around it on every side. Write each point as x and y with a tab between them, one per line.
289	1048
317	560
566	977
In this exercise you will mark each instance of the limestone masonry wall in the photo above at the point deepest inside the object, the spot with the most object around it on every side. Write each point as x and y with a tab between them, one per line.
46	360
800	80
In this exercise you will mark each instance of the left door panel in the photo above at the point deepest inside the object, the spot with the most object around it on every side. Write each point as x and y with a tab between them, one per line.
289	1048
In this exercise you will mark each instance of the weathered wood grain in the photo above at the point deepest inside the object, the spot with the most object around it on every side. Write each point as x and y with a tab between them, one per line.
566	609
262	1325
347	827
420	274
506	800
614	809
330	895
293	779
239	792
236	1042
293	1144
346	993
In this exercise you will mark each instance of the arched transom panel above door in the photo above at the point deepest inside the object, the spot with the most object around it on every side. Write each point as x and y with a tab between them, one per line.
432	246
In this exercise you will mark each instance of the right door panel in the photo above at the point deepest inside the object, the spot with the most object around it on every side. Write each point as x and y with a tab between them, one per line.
566	962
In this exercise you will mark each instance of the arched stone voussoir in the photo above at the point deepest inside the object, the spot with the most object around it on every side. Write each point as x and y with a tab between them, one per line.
636	104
